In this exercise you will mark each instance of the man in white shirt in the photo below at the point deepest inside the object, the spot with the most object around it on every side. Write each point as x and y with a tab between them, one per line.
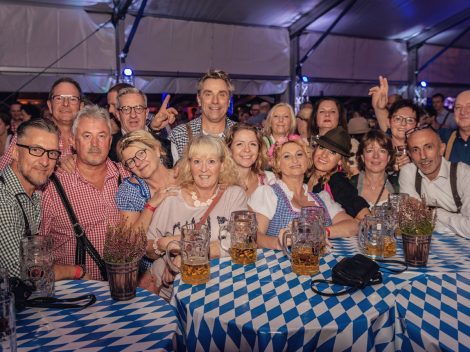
431	176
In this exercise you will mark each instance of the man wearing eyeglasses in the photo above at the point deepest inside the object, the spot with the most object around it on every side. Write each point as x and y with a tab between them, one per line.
91	190
64	102
34	157
444	185
132	111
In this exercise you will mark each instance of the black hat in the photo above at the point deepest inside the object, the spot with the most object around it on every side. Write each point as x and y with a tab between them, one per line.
337	140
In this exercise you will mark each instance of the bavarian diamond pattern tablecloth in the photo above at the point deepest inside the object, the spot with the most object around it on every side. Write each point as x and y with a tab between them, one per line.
145	323
266	307
449	253
434	311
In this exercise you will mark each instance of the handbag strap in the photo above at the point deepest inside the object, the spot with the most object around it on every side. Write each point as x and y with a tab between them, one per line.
61	303
206	214
83	243
393	261
373	281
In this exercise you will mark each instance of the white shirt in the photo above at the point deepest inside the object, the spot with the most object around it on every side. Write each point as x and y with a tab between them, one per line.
438	193
264	200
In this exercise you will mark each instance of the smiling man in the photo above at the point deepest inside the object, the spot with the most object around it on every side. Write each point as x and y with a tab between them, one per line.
33	161
444	185
64	102
213	96
132	111
91	190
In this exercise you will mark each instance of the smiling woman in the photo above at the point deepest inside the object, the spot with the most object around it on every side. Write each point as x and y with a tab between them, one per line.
247	149
331	172
277	204
209	183
280	123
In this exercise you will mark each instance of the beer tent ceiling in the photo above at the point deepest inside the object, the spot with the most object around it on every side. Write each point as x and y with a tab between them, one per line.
177	40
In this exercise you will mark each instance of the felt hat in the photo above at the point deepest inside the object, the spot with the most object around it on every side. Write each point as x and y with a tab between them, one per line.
337	140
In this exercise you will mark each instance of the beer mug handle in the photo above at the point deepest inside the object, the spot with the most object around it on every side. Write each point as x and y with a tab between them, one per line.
361	236
284	237
223	234
168	260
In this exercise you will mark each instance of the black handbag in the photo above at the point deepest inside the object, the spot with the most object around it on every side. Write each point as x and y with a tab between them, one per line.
22	290
356	272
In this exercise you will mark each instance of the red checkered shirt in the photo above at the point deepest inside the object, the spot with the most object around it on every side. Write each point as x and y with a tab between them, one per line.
6	158
95	210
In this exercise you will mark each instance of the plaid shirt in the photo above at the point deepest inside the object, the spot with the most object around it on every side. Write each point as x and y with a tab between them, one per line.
95	210
6	158
179	135
12	224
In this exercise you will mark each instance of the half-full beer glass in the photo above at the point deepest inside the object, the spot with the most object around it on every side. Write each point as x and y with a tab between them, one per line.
194	247
371	236
306	239
241	230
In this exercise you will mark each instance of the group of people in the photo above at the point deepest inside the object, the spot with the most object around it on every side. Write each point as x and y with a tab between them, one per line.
159	179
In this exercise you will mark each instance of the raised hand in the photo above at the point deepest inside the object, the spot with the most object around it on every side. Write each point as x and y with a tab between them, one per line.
165	116
380	94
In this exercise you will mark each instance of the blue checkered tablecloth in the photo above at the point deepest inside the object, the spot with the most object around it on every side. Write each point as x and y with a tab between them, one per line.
434	312
145	323
449	253
266	307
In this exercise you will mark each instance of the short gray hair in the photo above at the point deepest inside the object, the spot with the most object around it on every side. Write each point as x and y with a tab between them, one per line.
129	90
93	112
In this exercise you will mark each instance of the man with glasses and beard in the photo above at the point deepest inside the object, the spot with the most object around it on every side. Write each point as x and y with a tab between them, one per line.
33	160
90	189
444	185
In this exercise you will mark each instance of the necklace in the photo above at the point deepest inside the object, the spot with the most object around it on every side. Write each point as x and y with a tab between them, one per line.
373	187
198	203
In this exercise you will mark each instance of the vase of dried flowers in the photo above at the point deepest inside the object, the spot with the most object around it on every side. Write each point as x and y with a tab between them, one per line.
416	226
123	249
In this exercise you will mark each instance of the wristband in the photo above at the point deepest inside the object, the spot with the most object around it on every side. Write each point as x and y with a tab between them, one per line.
80	272
149	207
328	232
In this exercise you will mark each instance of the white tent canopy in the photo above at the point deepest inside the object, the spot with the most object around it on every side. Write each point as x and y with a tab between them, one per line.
178	40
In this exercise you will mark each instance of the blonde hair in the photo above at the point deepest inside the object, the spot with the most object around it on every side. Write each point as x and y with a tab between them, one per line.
201	145
139	138
277	155
267	131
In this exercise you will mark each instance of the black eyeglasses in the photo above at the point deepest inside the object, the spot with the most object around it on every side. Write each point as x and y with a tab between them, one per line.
138	109
419	128
139	155
38	151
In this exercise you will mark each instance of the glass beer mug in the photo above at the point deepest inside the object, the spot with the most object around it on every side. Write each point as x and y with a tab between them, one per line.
371	236
194	246
307	241
241	230
37	264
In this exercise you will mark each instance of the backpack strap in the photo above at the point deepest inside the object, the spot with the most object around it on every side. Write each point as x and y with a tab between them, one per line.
189	132
453	186
450	144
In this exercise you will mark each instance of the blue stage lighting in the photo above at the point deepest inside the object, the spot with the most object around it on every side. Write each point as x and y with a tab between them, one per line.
423	84
305	79
128	72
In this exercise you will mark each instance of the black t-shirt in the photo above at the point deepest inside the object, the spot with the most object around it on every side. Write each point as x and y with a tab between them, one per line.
344	193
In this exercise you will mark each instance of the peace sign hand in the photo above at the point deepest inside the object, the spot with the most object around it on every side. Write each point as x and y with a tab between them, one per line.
164	117
380	94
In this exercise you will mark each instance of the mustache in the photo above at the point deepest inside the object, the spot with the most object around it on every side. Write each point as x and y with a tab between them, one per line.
94	150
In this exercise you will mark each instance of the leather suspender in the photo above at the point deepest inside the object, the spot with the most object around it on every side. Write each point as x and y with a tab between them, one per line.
83	243
27	228
453	185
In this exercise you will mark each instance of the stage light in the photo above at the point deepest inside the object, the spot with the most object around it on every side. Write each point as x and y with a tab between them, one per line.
128	72
423	84
305	79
